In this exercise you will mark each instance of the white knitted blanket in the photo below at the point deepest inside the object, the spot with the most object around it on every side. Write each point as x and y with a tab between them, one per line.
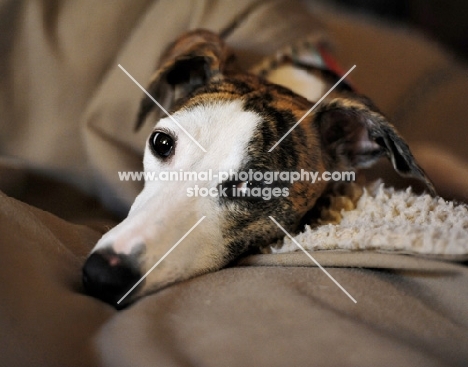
388	220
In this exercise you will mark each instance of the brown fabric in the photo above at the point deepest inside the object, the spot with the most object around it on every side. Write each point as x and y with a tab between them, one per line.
270	310
44	319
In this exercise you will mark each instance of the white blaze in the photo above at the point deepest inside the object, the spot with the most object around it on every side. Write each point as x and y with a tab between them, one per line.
162	213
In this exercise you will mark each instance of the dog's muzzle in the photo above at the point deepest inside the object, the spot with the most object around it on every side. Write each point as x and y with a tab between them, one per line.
109	276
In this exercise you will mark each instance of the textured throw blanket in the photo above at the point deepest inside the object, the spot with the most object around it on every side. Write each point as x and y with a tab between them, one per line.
385	219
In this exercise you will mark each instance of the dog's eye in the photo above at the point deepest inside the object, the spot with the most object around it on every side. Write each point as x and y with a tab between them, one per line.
161	143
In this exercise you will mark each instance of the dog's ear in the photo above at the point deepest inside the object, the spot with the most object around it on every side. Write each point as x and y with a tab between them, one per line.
191	61
354	135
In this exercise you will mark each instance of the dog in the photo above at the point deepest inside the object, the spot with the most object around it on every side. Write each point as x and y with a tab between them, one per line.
236	117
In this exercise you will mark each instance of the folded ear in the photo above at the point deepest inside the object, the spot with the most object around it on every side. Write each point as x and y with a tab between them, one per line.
191	61
354	135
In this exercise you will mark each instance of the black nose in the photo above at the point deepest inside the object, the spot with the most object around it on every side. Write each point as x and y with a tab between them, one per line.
109	276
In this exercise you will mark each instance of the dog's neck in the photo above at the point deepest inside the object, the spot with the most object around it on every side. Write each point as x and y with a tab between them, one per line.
307	68
299	81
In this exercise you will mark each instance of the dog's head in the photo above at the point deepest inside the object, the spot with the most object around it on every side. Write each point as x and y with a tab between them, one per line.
225	121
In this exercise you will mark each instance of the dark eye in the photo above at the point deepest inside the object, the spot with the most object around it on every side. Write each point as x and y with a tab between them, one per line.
161	143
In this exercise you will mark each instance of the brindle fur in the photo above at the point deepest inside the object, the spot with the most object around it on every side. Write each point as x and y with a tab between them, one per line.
345	132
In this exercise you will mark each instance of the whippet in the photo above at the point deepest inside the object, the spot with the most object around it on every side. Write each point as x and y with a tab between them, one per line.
236	117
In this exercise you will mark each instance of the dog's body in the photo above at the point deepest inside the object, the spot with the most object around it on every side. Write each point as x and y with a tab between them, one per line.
237	118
